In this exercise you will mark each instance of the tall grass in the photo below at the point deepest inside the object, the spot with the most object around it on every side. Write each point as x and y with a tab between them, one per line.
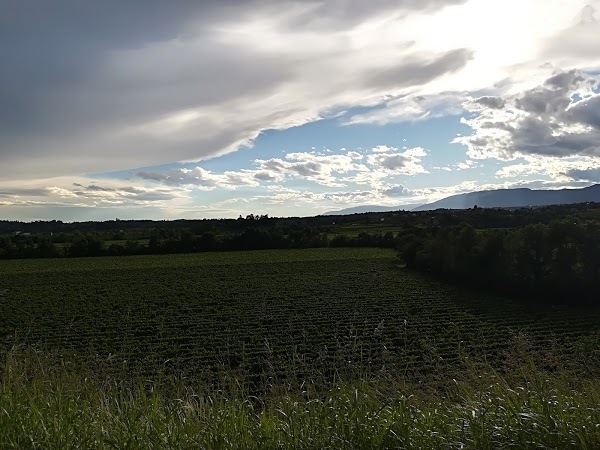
44	405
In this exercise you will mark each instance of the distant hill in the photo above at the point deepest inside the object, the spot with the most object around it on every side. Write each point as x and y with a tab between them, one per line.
522	197
369	208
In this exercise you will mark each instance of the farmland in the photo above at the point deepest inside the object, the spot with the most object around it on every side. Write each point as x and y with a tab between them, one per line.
269	349
271	317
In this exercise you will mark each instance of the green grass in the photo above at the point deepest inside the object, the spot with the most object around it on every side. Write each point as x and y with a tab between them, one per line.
45	406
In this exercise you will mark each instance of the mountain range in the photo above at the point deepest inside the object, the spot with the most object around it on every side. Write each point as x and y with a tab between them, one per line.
499	198
515	198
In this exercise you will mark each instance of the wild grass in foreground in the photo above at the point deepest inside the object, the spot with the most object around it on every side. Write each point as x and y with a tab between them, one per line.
52	407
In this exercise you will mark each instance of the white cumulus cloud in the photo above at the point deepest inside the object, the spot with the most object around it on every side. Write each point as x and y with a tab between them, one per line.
560	117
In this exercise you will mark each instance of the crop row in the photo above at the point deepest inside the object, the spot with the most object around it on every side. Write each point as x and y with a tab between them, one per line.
278	318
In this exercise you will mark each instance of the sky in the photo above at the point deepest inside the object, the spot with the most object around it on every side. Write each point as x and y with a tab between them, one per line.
186	109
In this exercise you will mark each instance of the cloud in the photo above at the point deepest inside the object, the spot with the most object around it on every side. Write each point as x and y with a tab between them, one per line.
321	169
412	108
122	195
201	178
591	175
468	164
420	69
560	117
489	102
16	192
397	191
575	45
348	13
89	193
382	149
560	169
324	169
105	86
537	44
407	162
91	87
283	196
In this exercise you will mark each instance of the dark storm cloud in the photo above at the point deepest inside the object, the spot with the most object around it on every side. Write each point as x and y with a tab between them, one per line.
75	64
48	45
101	85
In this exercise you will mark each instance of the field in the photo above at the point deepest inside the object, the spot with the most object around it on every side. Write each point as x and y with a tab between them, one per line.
315	348
270	317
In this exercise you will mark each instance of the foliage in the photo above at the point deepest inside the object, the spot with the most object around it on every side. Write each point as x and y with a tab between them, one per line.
48	406
559	261
184	241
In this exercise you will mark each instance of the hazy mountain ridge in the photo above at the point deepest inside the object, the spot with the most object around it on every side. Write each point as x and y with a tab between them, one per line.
520	197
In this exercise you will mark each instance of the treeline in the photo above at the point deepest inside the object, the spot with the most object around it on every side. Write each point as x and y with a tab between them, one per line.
185	241
28	246
559	261
478	217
